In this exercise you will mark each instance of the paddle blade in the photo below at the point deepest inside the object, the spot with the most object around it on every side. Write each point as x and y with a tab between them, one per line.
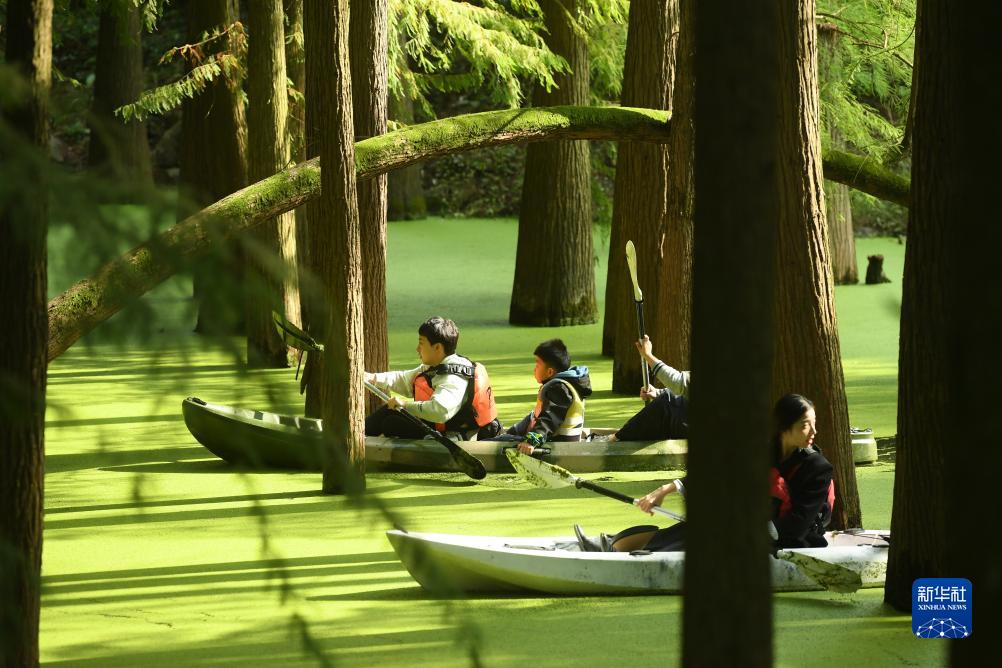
832	576
537	472
631	262
293	336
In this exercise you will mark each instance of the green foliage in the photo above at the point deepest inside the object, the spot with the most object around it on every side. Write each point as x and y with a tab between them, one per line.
865	52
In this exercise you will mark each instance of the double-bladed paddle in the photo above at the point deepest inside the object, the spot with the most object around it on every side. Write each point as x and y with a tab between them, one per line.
466	462
829	575
638	298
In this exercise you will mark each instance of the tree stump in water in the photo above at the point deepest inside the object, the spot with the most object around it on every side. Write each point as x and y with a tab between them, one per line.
875	270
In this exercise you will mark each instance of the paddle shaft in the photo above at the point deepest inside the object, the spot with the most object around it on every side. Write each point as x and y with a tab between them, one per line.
467	463
638	299
640	325
625	498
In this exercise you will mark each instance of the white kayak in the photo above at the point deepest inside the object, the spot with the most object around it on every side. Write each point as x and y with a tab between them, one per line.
452	564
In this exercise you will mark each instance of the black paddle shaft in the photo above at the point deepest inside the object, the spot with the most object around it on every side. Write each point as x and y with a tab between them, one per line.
605	491
643	330
469	464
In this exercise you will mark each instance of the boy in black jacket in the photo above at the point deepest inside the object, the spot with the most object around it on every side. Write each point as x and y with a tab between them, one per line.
559	411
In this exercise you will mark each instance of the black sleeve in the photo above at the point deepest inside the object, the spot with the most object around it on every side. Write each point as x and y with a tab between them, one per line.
557	400
521	426
808	493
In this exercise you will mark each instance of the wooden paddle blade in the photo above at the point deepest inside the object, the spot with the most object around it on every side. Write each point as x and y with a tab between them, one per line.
832	576
538	472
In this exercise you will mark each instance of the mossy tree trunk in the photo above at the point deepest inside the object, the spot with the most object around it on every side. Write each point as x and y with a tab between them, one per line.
674	299
214	164
369	72
640	191
335	377
24	146
841	240
405	188
946	475
121	150
728	592
554	263
93	300
272	282
808	359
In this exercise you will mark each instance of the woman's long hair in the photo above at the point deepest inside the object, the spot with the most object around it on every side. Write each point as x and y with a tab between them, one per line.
787	412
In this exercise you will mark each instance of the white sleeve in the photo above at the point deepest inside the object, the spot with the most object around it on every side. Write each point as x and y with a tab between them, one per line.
401	382
675	380
445	402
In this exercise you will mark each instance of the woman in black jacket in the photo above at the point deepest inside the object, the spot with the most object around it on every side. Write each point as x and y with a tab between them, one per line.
800	483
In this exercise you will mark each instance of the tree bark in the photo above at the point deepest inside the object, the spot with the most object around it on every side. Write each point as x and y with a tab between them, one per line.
554	263
23	275
728	593
841	240
214	164
272	283
640	192
369	72
808	360
675	298
295	65
405	190
93	300
119	148
335	377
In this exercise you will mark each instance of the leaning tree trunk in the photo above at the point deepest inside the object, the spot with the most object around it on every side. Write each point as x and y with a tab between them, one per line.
640	191
841	240
96	298
23	275
369	71
554	264
807	358
728	593
213	165
405	187
335	377
272	283
674	303
119	148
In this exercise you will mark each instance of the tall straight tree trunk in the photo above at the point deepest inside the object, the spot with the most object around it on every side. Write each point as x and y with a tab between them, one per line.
728	592
841	240
640	193
295	66
405	188
23	339
369	72
554	264
674	300
808	360
335	377
120	148
213	165
272	282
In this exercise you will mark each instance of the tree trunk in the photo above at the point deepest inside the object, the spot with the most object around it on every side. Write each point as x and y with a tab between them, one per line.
728	593
295	66
675	297
120	149
554	264
92	300
335	380
406	186
272	284
841	240
23	275
807	358
213	165
369	71
640	192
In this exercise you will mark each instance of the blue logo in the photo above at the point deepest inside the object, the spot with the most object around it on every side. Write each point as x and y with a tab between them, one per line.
942	608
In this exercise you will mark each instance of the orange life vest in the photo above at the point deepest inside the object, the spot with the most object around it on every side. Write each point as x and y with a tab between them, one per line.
478	409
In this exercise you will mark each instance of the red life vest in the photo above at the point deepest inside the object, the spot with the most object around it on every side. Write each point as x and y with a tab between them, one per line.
778	489
478	409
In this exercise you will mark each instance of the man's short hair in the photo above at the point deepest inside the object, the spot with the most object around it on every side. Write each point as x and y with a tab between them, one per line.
440	330
554	354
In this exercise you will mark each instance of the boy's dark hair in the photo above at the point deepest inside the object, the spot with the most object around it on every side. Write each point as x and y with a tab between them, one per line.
554	354
440	330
